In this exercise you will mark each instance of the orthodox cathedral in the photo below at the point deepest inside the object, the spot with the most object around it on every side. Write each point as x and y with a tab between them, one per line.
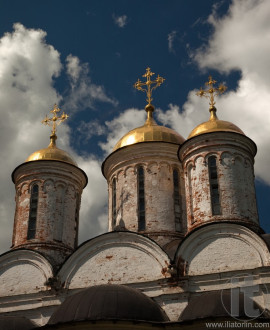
184	245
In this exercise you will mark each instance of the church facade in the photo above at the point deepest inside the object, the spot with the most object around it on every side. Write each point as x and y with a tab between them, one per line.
184	243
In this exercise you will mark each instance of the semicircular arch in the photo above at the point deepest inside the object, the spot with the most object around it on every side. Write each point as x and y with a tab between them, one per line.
23	271
116	258
221	247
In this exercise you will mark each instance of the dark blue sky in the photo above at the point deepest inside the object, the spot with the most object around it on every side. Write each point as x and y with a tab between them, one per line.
118	56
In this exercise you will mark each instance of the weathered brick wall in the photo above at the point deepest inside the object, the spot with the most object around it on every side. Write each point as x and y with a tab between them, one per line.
234	160
22	273
115	258
158	161
60	187
220	248
209	258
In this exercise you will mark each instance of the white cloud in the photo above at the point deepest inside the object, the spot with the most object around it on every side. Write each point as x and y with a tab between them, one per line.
118	127
83	92
171	37
74	69
86	130
184	120
240	41
120	21
28	67
93	213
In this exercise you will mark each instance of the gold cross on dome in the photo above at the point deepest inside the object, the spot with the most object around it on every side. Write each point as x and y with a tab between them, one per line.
149	88
55	120
212	91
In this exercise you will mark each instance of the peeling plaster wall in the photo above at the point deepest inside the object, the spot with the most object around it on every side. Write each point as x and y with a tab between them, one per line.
136	261
206	258
60	187
234	160
118	265
115	258
23	272
220	248
158	160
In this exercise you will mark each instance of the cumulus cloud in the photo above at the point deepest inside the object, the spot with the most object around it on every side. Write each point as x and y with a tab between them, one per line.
28	68
193	112
171	38
74	69
83	92
240	41
93	213
118	127
86	130
120	21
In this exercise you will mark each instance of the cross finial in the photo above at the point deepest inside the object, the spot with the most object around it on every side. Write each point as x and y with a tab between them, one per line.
211	92
149	88
54	121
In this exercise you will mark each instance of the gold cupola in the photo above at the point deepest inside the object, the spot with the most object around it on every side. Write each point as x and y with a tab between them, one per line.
213	124
52	152
48	187
150	131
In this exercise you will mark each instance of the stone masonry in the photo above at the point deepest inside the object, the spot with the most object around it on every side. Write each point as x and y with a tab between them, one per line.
60	188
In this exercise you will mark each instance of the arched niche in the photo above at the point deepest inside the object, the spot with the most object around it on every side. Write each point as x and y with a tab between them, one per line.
23	272
116	258
221	247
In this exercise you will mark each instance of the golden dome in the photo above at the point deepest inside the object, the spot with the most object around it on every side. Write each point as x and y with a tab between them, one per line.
51	153
215	125
149	132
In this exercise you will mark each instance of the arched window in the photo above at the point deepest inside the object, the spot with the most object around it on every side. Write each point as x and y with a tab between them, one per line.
113	203
59	212
141	199
190	193
77	213
176	197
214	189
31	232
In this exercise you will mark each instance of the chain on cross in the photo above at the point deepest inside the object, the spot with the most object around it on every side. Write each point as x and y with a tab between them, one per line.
55	120
212	91
150	84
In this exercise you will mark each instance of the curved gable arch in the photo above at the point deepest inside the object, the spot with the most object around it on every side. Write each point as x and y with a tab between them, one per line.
221	247
117	258
23	272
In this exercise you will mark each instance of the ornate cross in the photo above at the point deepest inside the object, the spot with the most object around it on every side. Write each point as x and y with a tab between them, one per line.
211	92
55	120
139	84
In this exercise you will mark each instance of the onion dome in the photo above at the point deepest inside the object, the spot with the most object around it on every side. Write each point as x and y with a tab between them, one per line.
52	153
149	132
213	124
108	302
